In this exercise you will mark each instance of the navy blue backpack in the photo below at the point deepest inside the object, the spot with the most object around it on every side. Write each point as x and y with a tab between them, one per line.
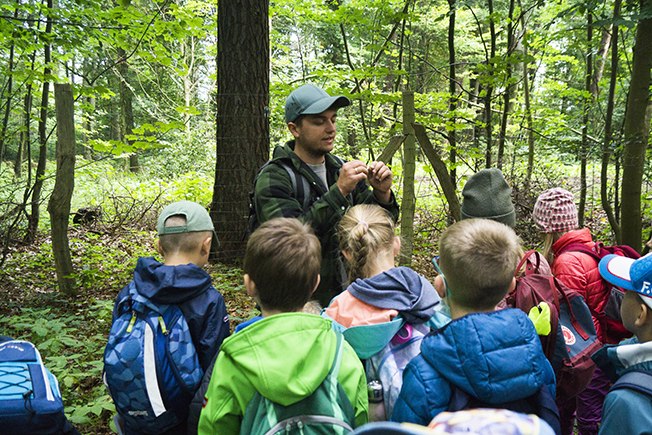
30	400
151	365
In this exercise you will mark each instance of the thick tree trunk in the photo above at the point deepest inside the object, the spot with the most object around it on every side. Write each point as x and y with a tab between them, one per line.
636	132
59	205
608	128
242	117
409	166
42	133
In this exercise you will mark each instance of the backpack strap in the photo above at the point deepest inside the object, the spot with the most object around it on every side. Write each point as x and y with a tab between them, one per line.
637	380
299	189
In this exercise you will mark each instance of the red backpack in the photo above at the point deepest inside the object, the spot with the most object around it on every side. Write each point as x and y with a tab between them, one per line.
572	338
608	309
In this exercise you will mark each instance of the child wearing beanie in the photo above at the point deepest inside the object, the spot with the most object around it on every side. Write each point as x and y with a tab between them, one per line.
556	217
487	195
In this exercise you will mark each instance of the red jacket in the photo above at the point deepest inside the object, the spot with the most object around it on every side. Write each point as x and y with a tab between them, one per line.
579	272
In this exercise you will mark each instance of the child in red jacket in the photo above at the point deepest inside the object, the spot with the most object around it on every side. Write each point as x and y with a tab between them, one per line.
556	217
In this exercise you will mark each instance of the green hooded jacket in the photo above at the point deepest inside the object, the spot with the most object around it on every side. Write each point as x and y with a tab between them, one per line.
284	357
274	197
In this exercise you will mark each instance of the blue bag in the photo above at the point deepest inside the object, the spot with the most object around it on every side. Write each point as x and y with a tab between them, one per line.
151	365
30	400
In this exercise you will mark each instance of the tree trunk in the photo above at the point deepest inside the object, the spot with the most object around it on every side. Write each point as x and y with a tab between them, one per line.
242	117
126	102
409	166
489	95
32	225
9	88
508	88
59	205
584	147
452	90
608	135
636	133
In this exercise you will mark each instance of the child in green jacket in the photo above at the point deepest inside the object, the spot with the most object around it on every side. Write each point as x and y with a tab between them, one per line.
287	355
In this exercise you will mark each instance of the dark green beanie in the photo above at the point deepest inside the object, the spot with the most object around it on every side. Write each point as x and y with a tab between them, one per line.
487	195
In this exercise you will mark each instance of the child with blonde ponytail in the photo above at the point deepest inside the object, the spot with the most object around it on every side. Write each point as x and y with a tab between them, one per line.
385	310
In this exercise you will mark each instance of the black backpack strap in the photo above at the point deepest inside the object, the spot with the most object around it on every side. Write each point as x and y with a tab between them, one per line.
637	380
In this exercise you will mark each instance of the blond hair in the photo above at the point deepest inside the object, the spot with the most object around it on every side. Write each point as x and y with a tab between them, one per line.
283	258
549	239
478	257
365	231
181	243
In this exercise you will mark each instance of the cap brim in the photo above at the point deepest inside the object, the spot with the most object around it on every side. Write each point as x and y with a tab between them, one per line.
325	104
615	269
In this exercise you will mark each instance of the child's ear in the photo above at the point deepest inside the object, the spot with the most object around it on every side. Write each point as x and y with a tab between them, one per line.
512	285
206	245
396	246
158	247
347	255
250	286
440	286
643	315
316	284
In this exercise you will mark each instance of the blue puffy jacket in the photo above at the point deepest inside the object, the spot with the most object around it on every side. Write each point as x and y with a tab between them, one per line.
188	286
496	357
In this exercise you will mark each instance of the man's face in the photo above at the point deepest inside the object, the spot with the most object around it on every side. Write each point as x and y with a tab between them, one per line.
315	134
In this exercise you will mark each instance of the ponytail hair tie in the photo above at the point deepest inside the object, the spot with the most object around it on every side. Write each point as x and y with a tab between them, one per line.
364	224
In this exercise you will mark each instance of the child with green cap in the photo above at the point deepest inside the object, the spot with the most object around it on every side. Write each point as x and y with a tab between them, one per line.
185	233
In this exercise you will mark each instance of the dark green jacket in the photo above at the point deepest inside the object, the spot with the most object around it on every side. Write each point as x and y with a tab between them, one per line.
274	197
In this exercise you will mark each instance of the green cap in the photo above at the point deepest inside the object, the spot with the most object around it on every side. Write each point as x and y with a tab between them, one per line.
487	195
197	218
311	100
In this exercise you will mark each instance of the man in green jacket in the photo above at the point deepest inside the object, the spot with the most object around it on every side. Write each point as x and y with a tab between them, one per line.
305	180
287	355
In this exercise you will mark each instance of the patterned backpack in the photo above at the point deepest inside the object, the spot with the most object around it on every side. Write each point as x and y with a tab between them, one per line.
151	366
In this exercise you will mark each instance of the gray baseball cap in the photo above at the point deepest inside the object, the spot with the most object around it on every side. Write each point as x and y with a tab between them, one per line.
197	218
311	100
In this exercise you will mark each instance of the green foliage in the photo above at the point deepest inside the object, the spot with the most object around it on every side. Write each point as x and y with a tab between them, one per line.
76	363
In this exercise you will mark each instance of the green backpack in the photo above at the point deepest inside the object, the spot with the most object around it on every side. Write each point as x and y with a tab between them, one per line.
326	411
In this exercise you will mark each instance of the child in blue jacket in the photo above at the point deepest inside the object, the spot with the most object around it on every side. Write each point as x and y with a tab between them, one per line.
494	356
185	233
626	410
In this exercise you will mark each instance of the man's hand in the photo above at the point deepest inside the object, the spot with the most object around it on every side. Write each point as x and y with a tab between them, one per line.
380	179
351	174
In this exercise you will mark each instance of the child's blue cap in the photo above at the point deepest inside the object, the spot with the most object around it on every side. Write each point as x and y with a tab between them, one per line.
629	274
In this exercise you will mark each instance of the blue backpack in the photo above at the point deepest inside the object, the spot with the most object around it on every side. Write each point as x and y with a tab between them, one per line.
30	400
151	366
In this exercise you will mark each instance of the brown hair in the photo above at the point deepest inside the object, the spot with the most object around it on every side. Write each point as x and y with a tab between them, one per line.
363	231
185	243
283	258
478	257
